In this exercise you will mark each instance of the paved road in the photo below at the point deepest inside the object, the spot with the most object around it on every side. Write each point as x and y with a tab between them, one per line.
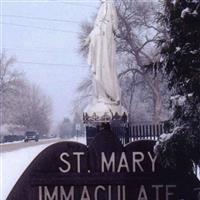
20	145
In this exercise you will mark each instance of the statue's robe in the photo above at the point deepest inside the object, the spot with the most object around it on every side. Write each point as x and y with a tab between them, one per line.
101	57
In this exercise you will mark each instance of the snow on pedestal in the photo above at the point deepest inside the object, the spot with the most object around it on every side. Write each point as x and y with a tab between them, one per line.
102	112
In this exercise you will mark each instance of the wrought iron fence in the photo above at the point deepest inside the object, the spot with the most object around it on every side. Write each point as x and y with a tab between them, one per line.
133	132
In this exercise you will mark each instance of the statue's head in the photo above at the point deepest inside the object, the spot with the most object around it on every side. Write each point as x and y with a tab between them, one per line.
103	1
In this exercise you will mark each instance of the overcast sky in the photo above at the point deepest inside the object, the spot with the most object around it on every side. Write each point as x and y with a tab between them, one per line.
43	36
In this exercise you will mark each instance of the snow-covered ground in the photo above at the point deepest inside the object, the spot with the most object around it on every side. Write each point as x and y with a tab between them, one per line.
13	164
22	141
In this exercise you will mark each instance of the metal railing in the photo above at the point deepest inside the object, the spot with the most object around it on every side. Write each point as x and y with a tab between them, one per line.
145	131
134	132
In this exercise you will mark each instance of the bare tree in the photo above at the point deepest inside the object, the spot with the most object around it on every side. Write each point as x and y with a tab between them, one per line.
137	38
86	28
21	103
10	79
84	95
33	109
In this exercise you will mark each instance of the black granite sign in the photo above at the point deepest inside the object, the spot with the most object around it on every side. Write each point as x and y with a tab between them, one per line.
103	171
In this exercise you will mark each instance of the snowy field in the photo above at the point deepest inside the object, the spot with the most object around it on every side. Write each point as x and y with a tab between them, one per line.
13	164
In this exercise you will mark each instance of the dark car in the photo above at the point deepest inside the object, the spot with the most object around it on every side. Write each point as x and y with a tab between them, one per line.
31	135
2	138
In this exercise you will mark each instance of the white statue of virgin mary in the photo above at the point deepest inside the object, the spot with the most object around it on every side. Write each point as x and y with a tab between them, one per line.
101	58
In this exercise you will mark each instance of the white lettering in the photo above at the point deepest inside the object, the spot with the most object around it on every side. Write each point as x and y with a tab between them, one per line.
78	154
167	191
97	190
63	157
40	193
123	163
107	164
85	194
137	160
124	192
119	192
157	187
54	195
109	192
153	161
142	193
63	195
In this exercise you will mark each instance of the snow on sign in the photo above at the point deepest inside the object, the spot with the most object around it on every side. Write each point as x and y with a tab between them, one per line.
103	171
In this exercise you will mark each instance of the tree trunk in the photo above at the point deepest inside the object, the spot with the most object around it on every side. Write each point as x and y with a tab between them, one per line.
157	100
154	85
